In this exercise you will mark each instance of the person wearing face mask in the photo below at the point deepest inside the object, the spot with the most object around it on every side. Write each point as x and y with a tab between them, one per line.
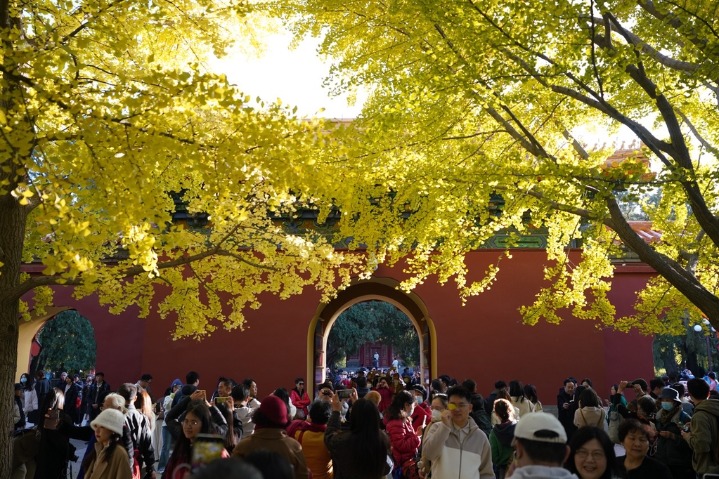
672	450
422	414
29	400
437	405
402	436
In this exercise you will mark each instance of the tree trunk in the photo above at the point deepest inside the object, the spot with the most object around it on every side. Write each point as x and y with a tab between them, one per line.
12	232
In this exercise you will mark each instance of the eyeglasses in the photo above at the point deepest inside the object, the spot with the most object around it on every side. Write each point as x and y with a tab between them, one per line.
190	422
300	384
596	455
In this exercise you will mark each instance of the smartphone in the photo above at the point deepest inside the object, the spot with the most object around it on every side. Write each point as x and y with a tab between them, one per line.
203	394
344	393
205	449
221	399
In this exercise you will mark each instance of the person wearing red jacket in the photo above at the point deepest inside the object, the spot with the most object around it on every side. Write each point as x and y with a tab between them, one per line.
422	414
386	393
404	440
300	399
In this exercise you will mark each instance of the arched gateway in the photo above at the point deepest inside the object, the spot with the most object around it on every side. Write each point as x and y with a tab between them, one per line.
381	289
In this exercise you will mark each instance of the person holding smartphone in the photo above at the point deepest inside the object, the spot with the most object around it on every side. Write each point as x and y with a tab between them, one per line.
197	421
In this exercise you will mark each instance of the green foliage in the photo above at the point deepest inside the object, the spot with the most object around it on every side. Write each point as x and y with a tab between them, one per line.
695	350
368	322
107	108
68	343
471	100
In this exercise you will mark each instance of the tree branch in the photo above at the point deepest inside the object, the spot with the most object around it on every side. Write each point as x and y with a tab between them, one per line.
672	271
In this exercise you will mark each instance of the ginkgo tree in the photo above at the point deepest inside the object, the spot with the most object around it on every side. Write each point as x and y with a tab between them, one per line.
109	120
488	116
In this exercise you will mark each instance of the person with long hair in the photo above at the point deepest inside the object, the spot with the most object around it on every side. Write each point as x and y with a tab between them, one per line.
503	394
398	424
29	401
530	392
518	399
143	403
361	452
501	437
300	398
591	454
55	448
108	458
198	420
590	411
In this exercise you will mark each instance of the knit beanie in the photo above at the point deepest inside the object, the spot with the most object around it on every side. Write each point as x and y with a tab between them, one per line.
110	419
272	413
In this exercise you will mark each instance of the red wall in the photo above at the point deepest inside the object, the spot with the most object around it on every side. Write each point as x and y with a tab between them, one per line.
484	340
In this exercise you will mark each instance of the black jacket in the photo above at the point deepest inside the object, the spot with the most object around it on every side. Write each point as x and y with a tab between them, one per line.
566	416
141	439
73	399
97	396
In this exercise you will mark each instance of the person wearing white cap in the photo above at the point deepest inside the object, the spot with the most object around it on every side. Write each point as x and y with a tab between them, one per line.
109	459
540	443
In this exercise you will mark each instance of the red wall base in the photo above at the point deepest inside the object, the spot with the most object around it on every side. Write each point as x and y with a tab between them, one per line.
484	340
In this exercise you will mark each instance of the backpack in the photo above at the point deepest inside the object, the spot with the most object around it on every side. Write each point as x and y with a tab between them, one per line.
482	419
613	427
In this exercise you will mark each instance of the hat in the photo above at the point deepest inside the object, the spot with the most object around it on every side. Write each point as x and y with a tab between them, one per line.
540	427
420	389
110	419
669	393
274	410
175	382
639	382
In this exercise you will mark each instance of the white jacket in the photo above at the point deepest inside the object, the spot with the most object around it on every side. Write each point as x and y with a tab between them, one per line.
29	400
542	472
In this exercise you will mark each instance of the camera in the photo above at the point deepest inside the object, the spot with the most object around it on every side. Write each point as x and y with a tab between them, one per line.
687	427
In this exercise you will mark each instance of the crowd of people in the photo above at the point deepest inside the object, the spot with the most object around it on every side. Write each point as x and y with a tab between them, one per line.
365	424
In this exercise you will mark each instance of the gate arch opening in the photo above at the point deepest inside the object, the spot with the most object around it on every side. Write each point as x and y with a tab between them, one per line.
378	289
26	335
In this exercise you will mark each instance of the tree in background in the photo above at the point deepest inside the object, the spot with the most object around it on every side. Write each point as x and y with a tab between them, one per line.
695	349
372	322
68	343
477	122
107	114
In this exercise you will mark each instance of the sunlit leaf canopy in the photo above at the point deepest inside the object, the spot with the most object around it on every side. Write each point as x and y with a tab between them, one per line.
474	99
107	109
